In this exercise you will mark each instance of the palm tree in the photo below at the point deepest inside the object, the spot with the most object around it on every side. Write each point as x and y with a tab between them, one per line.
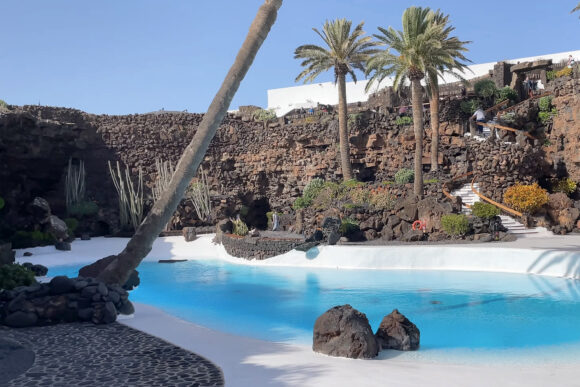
420	52
577	8
121	266
454	48
345	52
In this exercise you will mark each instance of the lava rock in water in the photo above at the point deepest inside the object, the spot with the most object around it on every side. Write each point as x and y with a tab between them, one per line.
397	332
345	332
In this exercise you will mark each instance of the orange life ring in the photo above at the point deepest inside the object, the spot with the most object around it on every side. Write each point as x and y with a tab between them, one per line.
419	225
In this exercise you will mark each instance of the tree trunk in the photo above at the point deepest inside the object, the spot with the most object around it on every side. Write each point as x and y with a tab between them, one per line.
343	129
434	107
417	98
141	243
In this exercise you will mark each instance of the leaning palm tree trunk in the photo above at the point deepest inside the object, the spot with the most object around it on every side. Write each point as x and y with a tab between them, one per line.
118	270
343	129
417	98
434	108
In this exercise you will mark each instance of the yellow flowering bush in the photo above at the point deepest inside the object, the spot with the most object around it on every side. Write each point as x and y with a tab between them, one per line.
526	198
565	72
565	185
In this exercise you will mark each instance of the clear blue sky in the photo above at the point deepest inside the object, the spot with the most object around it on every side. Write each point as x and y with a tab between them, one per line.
135	56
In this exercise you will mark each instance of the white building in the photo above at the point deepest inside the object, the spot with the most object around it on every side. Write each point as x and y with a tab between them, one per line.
286	99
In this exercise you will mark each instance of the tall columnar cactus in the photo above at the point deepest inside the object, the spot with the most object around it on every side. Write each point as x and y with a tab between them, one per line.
199	196
130	198
165	170
74	184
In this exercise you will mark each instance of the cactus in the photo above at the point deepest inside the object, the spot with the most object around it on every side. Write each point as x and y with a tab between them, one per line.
74	184
199	196
165	170
130	199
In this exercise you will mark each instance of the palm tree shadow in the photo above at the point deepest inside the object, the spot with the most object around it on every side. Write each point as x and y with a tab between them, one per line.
556	257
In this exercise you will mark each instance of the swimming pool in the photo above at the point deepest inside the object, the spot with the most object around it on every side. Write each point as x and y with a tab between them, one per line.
453	310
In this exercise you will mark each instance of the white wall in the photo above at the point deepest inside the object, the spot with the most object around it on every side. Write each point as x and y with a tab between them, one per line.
285	99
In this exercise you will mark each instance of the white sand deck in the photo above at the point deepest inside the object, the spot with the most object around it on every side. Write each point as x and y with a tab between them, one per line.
250	362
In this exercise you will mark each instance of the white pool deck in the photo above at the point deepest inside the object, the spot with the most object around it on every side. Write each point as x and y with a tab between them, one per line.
251	362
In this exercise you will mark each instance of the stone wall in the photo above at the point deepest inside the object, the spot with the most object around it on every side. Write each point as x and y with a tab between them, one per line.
257	247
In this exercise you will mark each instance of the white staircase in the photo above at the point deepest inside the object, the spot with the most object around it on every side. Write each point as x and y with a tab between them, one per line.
514	227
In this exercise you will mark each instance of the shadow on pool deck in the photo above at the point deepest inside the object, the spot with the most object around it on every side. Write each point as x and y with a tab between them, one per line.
557	256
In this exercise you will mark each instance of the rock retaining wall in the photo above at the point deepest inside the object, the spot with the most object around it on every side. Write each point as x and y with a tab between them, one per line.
257	247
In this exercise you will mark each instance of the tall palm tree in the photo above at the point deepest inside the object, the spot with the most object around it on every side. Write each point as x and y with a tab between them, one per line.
454	48
419	49
577	8
345	52
121	266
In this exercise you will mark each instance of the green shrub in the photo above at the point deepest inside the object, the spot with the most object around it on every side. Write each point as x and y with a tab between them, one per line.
510	117
264	115
547	142
404	176
240	228
348	227
310	192
470	106
404	120
545	103
566	185
485	88
431	181
381	199
506	93
2	203
14	275
359	196
71	224
85	208
545	117
455	224
24	239
550	75
484	210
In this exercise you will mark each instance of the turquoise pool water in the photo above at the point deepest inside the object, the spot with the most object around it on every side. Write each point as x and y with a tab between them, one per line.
453	310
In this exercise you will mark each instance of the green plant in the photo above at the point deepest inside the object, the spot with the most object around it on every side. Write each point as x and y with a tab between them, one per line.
354	119
545	117
348	227
545	103
547	142
84	208
510	117
484	210
3	104
565	185
404	176
506	93
550	75
130	197
310	192
2	202
72	224
404	120
485	88
198	192
431	181
24	239
264	115
455	224
240	228
526	198
470	106
359	196
381	199
14	275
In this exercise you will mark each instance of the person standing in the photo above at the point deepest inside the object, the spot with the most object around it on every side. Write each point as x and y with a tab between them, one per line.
479	116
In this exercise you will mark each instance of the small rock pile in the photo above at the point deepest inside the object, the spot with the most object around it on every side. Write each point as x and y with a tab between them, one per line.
63	299
343	331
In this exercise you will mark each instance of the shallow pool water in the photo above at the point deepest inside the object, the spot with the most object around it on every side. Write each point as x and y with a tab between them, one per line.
453	310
